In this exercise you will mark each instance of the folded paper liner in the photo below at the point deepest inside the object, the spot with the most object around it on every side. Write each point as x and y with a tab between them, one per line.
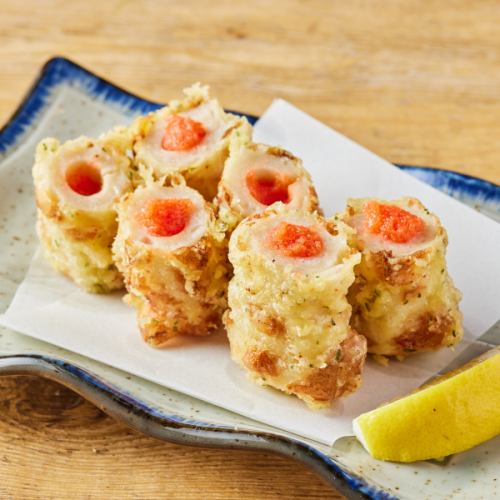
50	308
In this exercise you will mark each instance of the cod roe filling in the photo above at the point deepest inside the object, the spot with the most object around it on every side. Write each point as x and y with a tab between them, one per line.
269	187
182	133
292	240
84	179
392	223
166	217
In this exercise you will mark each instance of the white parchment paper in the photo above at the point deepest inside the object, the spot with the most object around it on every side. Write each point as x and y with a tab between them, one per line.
49	307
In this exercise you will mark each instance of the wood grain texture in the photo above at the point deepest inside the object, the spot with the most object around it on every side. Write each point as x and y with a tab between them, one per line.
54	444
416	82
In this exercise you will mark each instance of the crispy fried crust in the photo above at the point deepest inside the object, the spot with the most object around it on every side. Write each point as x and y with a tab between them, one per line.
341	375
203	173
87	261
266	322
288	328
427	331
407	302
77	241
180	292
261	362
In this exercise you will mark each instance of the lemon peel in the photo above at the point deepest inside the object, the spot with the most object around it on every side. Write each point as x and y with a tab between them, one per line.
454	413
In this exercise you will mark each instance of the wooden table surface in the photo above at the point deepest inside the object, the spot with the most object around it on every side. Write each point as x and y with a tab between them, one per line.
416	82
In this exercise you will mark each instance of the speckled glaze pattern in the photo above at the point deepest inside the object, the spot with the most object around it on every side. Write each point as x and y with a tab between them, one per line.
67	101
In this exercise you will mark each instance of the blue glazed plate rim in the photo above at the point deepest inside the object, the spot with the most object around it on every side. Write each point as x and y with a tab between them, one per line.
121	404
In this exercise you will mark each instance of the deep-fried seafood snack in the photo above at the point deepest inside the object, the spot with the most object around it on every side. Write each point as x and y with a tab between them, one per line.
188	137
256	176
77	185
173	261
288	317
403	298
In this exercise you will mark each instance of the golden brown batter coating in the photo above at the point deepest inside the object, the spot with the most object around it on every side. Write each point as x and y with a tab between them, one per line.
257	175
199	161
177	283
77	185
403	298
288	318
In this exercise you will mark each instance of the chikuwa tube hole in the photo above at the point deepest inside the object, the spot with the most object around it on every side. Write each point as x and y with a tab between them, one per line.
269	186
392	222
182	133
84	178
166	217
292	240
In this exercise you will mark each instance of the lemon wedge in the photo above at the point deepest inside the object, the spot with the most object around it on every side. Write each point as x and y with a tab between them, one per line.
454	413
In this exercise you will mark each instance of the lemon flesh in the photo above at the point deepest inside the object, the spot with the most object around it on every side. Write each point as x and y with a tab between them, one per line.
454	413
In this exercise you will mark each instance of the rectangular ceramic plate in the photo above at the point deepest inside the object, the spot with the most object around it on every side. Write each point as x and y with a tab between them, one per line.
67	101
